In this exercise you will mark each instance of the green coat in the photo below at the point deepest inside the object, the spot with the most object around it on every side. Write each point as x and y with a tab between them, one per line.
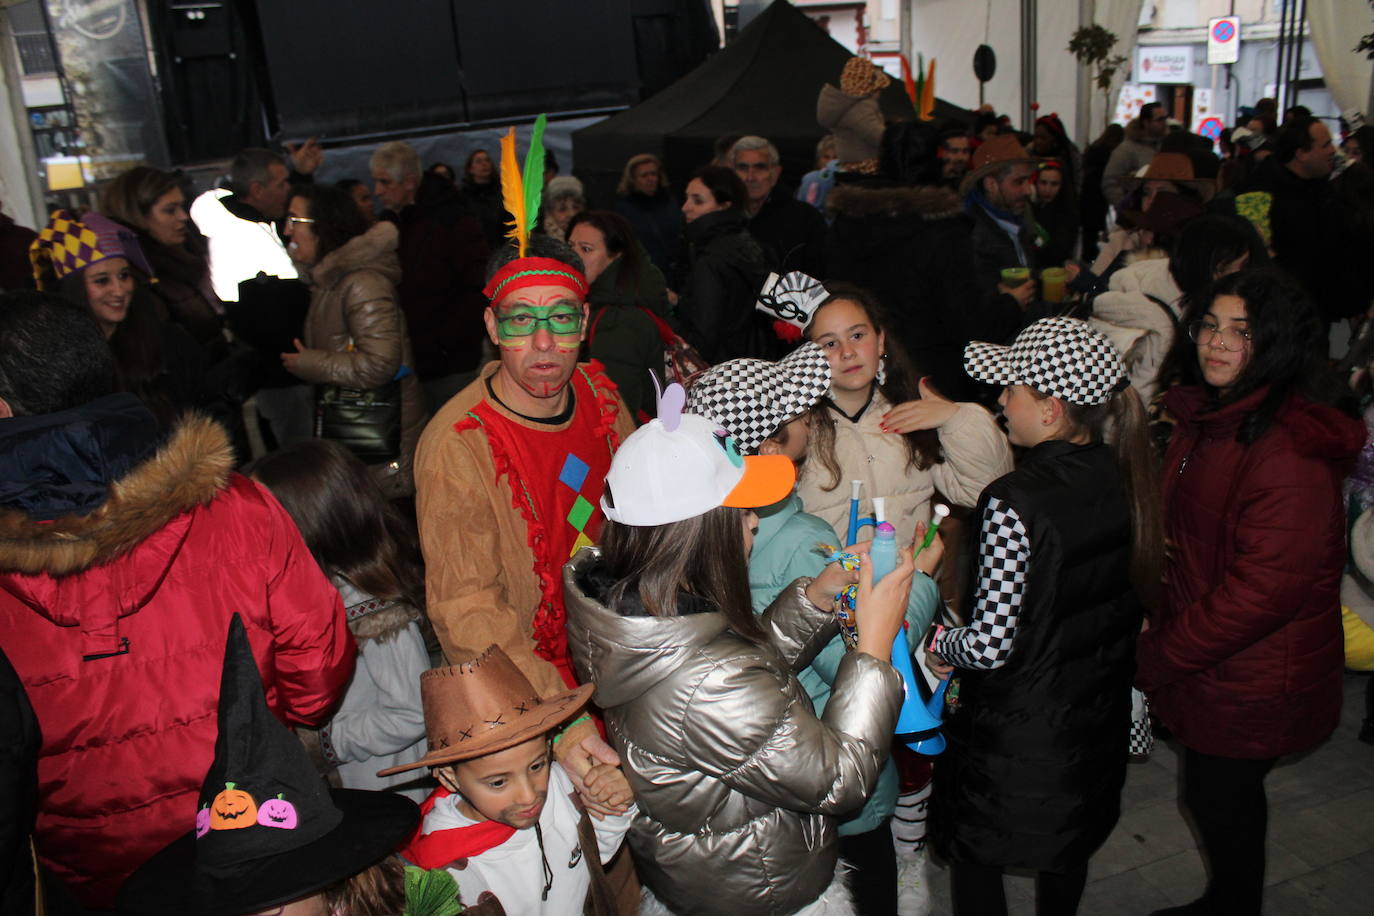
784	550
624	339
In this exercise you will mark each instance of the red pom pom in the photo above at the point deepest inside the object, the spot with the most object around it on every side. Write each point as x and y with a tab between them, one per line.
789	333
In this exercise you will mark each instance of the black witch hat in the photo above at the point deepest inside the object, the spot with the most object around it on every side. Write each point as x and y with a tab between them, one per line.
267	828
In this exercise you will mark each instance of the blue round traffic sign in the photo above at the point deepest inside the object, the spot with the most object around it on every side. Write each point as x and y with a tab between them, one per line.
1210	128
1223	31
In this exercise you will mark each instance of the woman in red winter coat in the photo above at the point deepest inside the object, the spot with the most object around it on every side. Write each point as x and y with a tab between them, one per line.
1243	661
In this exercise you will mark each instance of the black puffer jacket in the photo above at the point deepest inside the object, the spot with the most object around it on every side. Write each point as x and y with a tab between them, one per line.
1037	748
725	271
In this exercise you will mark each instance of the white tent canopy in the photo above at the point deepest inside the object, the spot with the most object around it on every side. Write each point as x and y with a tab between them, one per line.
950	30
1335	29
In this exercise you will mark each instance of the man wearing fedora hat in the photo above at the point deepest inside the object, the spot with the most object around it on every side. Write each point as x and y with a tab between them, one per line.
996	196
504	820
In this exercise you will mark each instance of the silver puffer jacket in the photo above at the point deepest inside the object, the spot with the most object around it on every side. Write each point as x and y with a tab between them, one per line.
738	782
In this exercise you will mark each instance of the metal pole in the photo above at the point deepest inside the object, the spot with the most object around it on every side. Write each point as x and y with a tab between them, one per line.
1293	87
1083	107
1282	46
1028	21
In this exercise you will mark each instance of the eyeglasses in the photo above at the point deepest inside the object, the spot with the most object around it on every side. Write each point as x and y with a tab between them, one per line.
524	324
299	219
1232	337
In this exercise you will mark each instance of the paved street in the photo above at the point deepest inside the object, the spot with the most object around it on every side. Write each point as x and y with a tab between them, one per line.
1321	836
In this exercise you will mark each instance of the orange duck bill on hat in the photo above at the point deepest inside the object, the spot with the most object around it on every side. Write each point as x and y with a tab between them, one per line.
767	480
483	706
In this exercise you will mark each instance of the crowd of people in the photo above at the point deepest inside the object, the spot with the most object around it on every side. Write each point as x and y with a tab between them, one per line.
445	540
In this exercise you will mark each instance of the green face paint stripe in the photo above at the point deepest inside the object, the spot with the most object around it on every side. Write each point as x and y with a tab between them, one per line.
570	320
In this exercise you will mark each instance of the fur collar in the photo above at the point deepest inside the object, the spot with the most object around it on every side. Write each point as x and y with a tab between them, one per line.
927	203
188	471
383	624
375	249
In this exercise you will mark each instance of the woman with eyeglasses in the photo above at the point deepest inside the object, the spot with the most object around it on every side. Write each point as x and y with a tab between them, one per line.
355	332
1243	660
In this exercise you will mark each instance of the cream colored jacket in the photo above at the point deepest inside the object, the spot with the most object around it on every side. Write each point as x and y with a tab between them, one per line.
975	451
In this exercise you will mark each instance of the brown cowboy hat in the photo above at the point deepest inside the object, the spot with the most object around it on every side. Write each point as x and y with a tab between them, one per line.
484	706
1173	167
1001	150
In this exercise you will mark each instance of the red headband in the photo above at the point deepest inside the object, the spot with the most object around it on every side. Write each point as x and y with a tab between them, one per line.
524	272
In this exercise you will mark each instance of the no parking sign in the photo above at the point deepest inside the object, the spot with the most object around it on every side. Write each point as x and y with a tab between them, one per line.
1210	128
1223	40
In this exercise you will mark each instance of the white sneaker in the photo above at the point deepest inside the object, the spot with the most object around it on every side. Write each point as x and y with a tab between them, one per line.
913	884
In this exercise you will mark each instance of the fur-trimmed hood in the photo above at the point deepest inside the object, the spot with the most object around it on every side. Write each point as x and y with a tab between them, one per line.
372	618
375	250
188	470
1137	132
927	203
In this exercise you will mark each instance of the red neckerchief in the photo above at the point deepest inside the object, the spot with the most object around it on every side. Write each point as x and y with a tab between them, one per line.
556	480
441	847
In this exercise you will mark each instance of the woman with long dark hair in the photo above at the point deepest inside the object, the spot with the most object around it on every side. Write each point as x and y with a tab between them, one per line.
1242	661
152	203
155	360
1145	301
371	555
736	778
628	301
355	332
1069	546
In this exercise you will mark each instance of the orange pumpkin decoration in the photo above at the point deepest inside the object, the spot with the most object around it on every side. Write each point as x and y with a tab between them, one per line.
232	809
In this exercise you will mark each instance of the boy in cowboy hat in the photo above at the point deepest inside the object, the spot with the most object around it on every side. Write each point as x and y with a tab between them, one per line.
505	820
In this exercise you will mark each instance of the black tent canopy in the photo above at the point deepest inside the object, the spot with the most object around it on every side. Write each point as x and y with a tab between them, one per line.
765	82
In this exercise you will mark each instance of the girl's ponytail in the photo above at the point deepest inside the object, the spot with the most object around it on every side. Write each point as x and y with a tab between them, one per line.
1135	457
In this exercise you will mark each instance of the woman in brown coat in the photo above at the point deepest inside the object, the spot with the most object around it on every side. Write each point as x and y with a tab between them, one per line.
355	332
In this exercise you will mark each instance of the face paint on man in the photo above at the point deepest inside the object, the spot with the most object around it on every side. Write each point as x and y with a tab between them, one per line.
539	330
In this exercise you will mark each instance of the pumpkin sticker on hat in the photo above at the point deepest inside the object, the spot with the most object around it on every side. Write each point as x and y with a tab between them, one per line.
277	812
233	809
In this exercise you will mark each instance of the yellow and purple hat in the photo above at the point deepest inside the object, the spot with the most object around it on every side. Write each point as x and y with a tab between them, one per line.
69	245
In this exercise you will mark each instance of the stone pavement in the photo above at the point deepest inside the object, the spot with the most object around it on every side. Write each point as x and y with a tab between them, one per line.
1320	844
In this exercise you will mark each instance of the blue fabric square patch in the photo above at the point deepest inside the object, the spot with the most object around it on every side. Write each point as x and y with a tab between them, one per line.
574	472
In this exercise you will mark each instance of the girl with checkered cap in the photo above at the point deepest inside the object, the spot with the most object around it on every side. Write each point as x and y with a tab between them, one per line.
882	424
1068	553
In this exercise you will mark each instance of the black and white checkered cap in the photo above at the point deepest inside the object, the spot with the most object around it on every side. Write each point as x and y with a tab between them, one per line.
750	398
1063	357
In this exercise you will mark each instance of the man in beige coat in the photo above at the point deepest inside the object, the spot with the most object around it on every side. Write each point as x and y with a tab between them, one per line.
509	476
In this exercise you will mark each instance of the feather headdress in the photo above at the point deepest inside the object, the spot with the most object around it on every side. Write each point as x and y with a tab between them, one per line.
522	193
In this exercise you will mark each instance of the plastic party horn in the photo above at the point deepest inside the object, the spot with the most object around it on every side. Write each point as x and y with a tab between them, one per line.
940	512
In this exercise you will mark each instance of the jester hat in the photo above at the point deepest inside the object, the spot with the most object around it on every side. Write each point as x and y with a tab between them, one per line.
68	245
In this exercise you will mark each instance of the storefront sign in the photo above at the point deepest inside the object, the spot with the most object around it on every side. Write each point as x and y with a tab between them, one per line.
1164	64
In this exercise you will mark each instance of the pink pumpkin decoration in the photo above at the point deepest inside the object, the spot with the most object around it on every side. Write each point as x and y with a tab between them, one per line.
277	812
202	822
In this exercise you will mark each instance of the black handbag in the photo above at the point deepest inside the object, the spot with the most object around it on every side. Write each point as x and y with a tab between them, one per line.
366	422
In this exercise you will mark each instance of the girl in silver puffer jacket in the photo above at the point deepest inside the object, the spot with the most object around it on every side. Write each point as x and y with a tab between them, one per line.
738	781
